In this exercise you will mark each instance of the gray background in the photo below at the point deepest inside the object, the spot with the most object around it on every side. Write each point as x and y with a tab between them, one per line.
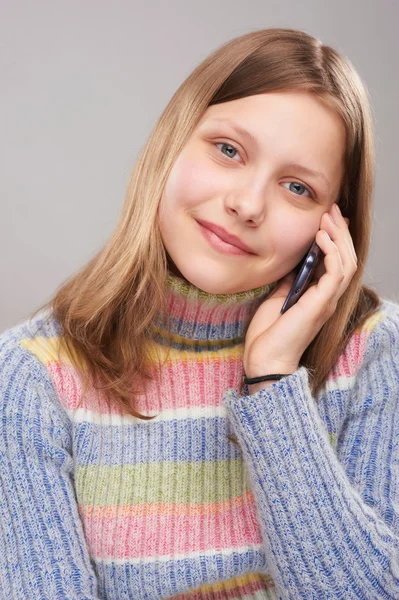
82	85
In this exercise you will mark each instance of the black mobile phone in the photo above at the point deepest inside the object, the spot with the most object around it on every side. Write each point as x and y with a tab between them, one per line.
305	270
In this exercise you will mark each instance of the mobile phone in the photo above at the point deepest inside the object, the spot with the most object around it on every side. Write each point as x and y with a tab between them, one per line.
305	270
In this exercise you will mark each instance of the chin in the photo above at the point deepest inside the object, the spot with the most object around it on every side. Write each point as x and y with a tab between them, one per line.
216	285
222	280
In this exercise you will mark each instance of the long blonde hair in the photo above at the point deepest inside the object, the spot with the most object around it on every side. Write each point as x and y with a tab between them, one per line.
106	309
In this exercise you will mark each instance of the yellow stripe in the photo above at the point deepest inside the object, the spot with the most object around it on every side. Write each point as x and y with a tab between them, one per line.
48	349
371	322
223	586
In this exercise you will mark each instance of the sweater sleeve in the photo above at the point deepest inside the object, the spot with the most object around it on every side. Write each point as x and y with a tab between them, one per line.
325	537
43	551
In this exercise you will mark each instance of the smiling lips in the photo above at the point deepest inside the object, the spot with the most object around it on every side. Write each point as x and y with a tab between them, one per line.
227	238
222	240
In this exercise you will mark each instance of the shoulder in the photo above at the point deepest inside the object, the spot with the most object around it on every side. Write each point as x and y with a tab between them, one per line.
377	336
372	347
369	366
381	332
27	344
26	382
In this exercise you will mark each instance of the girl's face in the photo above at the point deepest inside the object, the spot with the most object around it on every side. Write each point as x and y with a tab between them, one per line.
252	185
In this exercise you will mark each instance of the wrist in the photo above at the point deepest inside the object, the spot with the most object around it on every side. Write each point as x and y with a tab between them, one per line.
258	371
267	379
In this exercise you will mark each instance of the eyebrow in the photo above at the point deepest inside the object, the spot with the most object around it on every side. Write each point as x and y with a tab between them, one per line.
249	136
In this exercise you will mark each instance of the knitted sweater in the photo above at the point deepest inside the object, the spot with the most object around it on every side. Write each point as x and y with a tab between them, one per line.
97	504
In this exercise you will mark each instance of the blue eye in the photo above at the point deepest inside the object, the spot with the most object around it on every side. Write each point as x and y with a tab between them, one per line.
227	146
234	150
301	186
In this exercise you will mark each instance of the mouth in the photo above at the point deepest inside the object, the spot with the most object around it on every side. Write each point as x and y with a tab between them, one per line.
226	246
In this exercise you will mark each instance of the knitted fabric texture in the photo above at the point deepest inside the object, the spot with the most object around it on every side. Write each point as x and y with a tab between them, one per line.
97	504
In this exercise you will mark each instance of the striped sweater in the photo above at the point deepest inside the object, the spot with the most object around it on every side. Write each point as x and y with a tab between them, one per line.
97	504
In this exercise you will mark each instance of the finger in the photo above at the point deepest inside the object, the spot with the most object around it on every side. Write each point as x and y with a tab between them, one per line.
319	270
351	247
338	218
340	235
350	241
333	282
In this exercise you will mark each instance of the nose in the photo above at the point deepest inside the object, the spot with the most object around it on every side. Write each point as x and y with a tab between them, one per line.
249	207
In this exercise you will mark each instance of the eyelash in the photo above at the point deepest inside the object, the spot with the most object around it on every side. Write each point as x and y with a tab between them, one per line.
312	194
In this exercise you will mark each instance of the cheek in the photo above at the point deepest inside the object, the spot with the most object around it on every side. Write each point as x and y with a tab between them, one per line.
190	183
292	237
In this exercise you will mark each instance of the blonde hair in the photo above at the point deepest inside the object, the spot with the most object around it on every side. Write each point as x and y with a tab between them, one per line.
104	310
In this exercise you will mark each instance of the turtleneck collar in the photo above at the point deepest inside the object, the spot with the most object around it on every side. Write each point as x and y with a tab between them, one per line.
196	315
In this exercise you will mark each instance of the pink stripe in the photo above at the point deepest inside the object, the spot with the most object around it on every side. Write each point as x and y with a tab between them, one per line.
203	314
195	383
69	387
184	383
349	361
141	534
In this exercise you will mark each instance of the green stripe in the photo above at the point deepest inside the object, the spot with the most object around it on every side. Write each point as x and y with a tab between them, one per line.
168	482
191	291
333	439
178	342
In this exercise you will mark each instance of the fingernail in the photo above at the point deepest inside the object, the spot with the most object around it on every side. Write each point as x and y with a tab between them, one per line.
337	209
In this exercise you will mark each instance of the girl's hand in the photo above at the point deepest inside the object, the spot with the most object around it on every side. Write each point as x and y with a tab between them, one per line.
275	342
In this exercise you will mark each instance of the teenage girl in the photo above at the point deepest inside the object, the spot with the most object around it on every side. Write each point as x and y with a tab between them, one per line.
135	460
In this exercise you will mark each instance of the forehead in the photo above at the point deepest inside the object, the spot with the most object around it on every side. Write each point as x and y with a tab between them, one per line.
290	107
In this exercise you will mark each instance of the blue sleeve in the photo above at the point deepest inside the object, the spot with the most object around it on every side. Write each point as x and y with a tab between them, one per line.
328	533
43	551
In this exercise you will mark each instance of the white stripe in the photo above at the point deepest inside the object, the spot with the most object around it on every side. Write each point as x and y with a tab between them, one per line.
82	415
175	557
342	383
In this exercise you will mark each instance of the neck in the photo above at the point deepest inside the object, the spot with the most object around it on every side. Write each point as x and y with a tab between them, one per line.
197	316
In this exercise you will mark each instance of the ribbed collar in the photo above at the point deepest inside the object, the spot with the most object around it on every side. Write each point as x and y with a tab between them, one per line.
199	316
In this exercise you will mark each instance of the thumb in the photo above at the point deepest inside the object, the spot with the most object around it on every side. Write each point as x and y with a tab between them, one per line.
284	285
